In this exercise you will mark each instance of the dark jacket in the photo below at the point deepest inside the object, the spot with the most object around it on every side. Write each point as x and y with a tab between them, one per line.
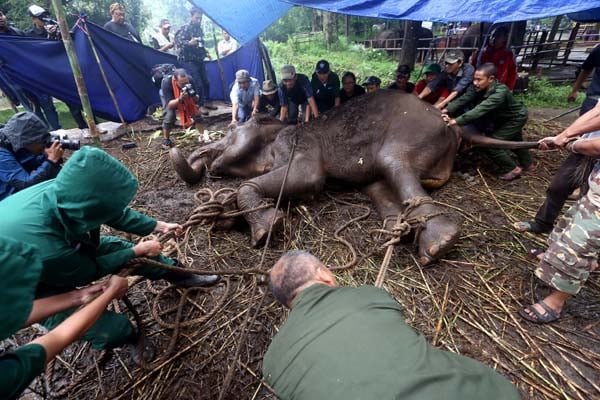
23	169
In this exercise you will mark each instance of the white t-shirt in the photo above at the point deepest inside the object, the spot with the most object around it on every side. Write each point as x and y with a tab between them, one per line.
226	47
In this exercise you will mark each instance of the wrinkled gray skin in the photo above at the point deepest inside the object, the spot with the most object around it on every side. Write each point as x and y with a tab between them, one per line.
389	143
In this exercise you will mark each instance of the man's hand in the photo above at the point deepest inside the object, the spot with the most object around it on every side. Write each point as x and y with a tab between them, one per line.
553	142
193	42
54	152
165	227
89	293
572	97
148	248
116	286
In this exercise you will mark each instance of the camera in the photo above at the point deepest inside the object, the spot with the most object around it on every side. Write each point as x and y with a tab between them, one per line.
65	142
200	41
51	27
189	90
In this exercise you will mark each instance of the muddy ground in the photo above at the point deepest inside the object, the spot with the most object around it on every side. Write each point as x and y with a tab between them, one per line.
466	303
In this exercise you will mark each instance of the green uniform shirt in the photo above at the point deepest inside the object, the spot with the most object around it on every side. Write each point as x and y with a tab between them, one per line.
348	343
59	217
18	368
20	268
497	104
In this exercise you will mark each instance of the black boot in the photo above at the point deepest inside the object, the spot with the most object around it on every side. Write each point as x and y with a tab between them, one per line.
187	279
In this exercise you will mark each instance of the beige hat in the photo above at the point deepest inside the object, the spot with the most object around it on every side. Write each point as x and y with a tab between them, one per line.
268	87
242	76
288	72
454	56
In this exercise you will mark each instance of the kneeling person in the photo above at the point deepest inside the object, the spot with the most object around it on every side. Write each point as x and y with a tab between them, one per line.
24	158
342	343
245	97
180	97
493	107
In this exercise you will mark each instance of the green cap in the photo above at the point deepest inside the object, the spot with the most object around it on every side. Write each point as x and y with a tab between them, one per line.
432	69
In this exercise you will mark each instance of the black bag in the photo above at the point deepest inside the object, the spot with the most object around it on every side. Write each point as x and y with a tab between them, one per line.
159	71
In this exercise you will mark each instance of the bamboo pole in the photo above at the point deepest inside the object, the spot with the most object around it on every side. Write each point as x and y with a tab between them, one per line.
81	88
221	73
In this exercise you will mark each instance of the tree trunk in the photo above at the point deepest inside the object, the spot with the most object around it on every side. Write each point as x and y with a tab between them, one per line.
347	25
408	55
329	28
316	24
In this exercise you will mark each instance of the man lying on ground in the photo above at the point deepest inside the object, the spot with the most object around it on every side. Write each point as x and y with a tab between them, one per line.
341	343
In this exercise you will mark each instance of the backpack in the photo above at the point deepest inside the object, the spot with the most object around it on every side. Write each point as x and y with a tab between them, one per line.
159	71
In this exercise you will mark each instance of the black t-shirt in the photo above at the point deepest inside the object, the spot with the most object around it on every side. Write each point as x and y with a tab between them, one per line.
299	94
269	106
410	87
325	94
357	91
593	61
124	30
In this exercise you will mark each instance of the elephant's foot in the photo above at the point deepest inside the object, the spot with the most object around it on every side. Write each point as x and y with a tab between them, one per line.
190	174
224	224
436	238
260	226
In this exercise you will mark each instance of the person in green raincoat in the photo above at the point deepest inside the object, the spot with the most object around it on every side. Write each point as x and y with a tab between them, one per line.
62	218
18	309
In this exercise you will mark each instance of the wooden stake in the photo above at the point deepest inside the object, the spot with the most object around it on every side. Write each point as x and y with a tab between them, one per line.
81	88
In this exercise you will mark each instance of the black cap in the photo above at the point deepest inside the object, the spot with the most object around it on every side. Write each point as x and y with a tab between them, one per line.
372	80
403	69
322	67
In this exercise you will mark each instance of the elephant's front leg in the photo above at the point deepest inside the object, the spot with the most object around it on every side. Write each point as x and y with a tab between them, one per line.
438	233
305	176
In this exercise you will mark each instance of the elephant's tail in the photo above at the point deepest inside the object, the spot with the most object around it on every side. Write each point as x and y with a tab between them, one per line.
485	141
183	168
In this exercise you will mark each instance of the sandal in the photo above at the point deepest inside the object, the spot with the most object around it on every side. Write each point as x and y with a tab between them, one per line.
548	316
535	253
529	226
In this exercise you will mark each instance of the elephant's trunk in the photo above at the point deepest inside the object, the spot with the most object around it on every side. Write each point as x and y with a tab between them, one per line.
183	168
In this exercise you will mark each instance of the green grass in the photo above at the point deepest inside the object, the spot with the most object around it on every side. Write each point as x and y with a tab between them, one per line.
541	93
342	57
64	116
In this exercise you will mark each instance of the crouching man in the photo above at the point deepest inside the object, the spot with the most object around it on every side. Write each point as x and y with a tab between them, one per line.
180	95
342	343
24	158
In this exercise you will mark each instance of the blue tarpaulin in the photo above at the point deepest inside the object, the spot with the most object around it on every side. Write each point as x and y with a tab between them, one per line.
448	11
243	19
586	16
42	66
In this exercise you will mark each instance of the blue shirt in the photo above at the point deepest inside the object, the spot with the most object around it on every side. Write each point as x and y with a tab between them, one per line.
245	97
23	169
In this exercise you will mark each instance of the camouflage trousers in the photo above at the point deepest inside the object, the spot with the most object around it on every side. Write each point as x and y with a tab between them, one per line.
573	247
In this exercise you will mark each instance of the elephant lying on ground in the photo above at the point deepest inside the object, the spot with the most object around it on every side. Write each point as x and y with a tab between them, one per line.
389	143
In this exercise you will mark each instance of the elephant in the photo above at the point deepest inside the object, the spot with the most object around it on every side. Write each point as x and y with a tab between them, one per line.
393	38
390	144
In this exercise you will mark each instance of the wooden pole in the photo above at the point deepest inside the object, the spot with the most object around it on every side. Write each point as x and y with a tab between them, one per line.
221	73
81	88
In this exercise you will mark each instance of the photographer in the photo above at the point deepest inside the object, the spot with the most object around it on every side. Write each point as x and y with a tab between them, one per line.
24	158
180	97
44	28
190	42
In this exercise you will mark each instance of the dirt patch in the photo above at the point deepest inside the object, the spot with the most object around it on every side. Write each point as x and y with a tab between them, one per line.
467	303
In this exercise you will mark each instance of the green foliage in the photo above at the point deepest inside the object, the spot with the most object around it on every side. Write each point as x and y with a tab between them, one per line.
298	19
542	93
97	11
343	56
64	116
